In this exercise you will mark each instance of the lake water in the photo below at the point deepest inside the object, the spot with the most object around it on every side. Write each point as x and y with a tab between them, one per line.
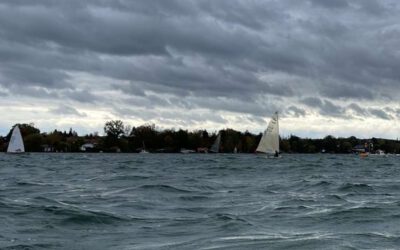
214	201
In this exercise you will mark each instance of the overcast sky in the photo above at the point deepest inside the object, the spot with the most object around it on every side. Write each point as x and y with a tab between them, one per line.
328	66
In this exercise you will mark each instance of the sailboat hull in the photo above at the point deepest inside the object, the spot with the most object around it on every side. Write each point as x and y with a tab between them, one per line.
268	156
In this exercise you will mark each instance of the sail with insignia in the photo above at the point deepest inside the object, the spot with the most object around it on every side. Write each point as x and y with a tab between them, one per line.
269	142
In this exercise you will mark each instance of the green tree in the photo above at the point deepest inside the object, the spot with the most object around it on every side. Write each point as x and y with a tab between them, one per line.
114	128
25	128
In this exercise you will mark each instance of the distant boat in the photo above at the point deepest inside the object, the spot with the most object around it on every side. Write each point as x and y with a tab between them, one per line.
235	150
16	144
187	151
269	143
215	147
143	151
378	153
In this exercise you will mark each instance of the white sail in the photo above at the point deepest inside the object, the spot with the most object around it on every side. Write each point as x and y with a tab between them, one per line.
144	151
215	147
269	142
16	144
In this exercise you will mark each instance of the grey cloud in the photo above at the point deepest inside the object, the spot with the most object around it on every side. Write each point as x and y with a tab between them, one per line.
373	7
380	114
31	75
239	12
83	96
330	3
331	109
325	107
3	94
210	54
36	92
385	113
346	91
357	109
169	117
66	110
312	102
296	112
392	111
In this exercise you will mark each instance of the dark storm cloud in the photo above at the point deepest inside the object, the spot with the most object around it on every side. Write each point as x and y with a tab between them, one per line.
211	54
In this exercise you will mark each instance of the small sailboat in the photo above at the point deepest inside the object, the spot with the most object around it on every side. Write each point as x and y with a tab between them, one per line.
215	147
269	143
144	151
16	144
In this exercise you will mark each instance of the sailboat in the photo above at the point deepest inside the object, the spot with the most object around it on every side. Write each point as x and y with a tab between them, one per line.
269	143
16	144
215	147
144	151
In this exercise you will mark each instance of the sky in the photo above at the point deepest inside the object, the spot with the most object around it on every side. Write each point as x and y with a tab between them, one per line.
328	66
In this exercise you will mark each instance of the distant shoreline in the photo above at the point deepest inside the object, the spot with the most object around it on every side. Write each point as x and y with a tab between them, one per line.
120	138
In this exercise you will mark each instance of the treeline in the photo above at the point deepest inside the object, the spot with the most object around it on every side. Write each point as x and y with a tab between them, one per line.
119	137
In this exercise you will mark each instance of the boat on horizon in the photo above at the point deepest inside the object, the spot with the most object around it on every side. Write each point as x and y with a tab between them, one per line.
187	151
144	151
269	143
215	147
16	144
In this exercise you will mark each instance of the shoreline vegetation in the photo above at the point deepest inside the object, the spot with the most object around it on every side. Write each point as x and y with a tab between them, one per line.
119	137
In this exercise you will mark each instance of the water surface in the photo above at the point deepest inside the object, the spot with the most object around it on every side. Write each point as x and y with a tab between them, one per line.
197	201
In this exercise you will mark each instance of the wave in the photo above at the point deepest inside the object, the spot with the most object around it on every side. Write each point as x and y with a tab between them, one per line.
129	177
292	208
356	187
88	217
277	241
298	201
164	188
31	246
67	213
230	218
355	212
322	184
194	198
335	197
30	183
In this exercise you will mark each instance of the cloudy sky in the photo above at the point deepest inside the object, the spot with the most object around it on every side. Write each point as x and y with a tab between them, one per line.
328	66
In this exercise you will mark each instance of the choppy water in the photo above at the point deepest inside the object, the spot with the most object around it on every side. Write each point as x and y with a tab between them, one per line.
134	201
